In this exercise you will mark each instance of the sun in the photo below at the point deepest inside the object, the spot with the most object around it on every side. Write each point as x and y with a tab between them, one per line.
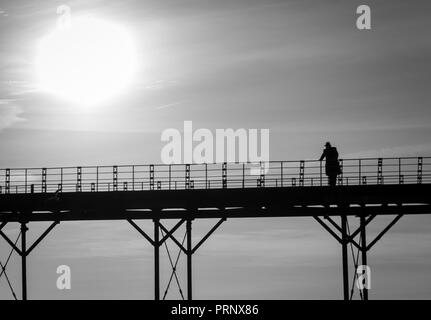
88	62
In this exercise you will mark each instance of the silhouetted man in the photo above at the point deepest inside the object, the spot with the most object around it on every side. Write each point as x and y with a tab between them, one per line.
332	167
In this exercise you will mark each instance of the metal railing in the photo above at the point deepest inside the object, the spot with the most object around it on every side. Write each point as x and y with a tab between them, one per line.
365	171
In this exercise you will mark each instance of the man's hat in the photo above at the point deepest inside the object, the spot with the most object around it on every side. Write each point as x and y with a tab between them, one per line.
327	144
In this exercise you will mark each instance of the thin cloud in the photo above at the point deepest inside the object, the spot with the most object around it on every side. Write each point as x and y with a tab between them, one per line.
10	113
169	105
403	150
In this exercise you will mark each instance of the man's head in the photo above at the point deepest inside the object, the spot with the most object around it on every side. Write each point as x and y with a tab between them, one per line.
327	144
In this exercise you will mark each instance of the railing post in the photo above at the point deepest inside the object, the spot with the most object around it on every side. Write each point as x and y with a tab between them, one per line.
400	175
419	170
44	180
281	172
78	179
262	174
243	175
114	178
133	178
7	181
301	173
25	181
206	176
151	177
379	171
187	177
224	175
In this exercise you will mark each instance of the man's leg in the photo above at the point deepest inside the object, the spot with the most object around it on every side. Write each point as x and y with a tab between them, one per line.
332	180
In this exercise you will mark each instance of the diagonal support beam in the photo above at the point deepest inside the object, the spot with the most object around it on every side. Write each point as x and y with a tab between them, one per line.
381	234
357	231
142	232
9	256
3	224
174	270
173	238
324	225
350	238
171	232
8	280
42	236
10	243
333	223
208	234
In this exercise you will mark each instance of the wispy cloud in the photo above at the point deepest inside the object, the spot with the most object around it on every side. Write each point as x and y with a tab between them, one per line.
402	150
169	105
10	113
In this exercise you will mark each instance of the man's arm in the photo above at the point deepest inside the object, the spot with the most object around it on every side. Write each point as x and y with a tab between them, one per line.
323	155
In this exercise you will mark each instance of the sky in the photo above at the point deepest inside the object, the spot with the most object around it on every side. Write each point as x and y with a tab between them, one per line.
298	68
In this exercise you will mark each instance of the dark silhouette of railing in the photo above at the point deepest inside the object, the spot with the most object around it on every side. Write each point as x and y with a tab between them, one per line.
306	173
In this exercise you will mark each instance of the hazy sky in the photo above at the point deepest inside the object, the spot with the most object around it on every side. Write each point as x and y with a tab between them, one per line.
299	68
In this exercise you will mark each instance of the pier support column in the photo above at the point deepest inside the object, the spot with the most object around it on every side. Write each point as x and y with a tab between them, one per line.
364	251
156	260
344	243
24	260
189	258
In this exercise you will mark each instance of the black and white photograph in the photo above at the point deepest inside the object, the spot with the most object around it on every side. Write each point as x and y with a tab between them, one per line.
228	152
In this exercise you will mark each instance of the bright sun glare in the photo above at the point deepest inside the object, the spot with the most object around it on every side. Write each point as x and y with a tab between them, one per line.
88	62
